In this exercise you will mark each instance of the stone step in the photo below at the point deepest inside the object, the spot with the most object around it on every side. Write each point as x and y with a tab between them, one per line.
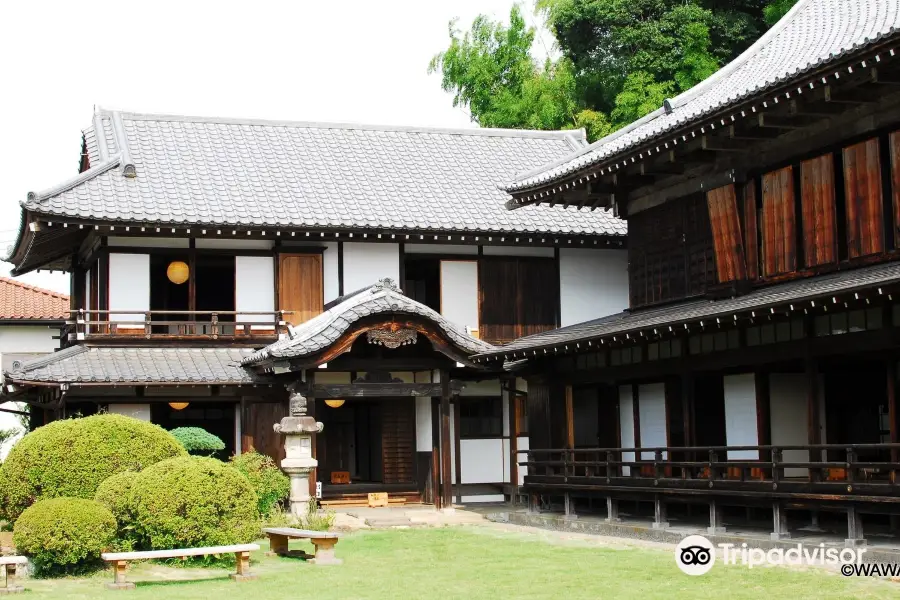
387	522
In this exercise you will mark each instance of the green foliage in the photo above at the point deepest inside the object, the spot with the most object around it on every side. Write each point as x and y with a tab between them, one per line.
115	494
64	535
639	96
72	457
193	501
315	520
777	9
270	484
197	440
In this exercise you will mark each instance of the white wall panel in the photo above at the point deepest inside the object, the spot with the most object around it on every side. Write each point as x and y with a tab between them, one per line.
486	387
19	339
483	498
740	415
366	263
439	249
331	272
254	278
482	460
652	414
129	286
459	292
788	411
148	242
592	283
234	244
626	424
135	411
518	251
423	425
523	471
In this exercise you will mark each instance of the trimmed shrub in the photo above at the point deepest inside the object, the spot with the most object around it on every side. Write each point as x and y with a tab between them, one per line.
64	535
270	484
115	494
193	501
197	440
73	456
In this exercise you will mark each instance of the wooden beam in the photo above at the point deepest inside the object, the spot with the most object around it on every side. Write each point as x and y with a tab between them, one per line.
436	460
763	420
819	109
884	78
446	463
852	96
785	121
722	144
376	390
457	466
570	419
636	415
752	134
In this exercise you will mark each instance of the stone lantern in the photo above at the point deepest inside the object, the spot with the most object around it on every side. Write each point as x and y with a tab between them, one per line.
298	462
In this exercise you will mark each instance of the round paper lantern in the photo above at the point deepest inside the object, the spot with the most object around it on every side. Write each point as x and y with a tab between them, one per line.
334	403
179	405
178	272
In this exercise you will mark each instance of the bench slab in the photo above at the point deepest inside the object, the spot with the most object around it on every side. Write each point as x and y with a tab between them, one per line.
294	533
324	542
178	552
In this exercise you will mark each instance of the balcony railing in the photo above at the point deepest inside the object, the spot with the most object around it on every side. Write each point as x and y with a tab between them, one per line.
175	324
840	469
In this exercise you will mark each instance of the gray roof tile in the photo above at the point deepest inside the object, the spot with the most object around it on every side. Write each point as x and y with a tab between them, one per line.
814	33
204	171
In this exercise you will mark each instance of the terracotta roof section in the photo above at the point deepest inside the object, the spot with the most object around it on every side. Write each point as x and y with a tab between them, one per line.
22	302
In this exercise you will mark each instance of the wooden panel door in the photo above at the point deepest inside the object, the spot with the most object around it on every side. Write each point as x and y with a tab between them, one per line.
751	230
779	222
862	190
498	281
817	200
398	440
726	231
300	286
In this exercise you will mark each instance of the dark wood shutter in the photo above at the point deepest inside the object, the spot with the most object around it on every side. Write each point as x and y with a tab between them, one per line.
726	231
398	440
779	222
751	230
895	185
700	257
862	193
300	286
817	200
256	428
518	297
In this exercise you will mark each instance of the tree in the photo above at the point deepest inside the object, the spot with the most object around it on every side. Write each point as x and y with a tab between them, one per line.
774	11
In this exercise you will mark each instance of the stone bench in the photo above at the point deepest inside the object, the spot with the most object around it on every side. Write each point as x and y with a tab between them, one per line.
120	561
322	540
11	563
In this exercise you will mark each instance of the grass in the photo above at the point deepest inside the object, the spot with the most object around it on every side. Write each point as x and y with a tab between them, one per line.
470	563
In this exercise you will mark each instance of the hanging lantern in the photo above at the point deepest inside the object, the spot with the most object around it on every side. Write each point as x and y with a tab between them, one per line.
179	405
334	402
178	272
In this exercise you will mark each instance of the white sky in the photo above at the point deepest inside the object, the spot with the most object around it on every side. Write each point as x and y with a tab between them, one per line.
347	61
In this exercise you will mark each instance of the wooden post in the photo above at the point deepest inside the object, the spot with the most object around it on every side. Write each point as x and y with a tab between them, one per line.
569	506
513	413
716	524
813	418
659	513
612	510
763	420
446	464
891	372
854	528
242	560
436	495
119	582
779	522
457	466
570	419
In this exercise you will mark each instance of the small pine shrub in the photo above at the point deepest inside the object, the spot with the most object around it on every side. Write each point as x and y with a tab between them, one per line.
72	457
193	501
271	485
198	441
64	535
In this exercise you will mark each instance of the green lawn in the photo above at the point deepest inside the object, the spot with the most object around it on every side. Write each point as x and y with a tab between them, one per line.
472	563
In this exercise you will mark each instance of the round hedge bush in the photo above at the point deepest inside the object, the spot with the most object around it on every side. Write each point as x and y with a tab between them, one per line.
193	501
270	484
64	535
115	494
72	457
197	440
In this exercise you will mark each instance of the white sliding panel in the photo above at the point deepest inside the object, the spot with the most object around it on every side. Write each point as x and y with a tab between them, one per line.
365	263
135	411
592	284
254	278
626	424
459	292
652	415
788	412
482	460
423	425
129	288
332	278
740	415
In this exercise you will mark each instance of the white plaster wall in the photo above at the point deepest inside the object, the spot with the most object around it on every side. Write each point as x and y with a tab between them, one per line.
17	339
482	460
366	263
129	286
626	424
652	414
439	249
518	251
148	242
523	471
254	278
135	411
484	498
740	415
789	418
487	387
234	243
592	283
459	292
331	283
423	425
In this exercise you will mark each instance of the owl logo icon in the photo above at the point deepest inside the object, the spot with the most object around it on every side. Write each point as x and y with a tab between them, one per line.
695	555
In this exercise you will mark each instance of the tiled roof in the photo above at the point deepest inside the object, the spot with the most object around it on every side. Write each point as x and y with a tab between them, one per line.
22	302
207	171
779	295
320	332
127	365
812	34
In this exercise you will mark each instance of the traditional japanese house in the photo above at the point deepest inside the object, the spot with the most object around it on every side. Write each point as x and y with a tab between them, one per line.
756	365
216	262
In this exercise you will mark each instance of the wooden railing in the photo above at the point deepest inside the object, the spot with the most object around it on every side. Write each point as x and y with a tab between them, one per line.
174	324
852	468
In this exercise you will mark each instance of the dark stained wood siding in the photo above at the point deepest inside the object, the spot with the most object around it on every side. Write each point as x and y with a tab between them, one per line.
300	286
398	440
895	185
862	191
779	222
751	230
256	428
518	297
817	200
726	231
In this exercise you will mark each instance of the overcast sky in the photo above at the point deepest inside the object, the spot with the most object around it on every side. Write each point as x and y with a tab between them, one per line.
346	61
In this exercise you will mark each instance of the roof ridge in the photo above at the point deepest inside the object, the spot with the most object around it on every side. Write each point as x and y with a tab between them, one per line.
67	185
33	288
561	134
52	358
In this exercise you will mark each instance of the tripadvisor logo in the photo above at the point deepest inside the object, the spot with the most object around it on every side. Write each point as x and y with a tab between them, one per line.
695	555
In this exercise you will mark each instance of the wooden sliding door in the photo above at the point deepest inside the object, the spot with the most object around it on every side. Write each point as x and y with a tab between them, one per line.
300	286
